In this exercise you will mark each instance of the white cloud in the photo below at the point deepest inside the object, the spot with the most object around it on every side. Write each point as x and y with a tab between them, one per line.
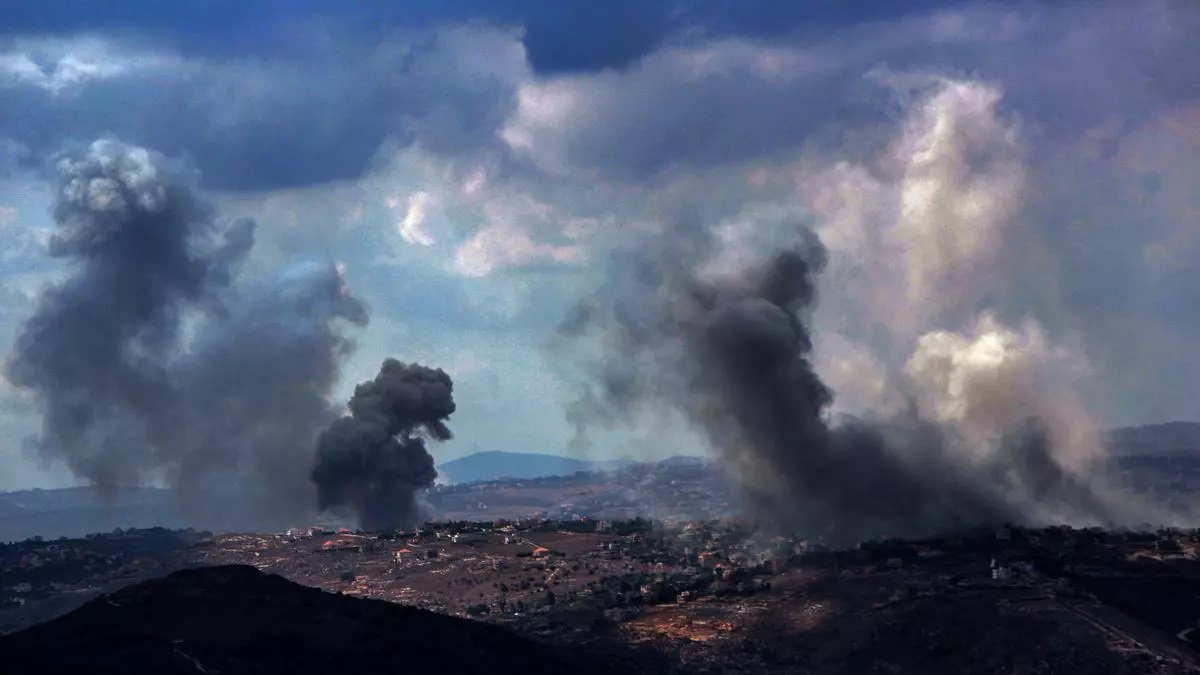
57	65
8	217
412	226
506	244
541	107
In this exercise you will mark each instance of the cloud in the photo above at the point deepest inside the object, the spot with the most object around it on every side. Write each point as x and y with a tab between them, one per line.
412	226
506	239
636	124
560	38
55	66
702	104
251	123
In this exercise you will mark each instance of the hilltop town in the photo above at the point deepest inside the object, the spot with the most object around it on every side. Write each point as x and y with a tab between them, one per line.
676	488
712	593
650	557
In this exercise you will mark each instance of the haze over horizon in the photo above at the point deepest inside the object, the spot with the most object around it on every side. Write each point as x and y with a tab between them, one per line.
1008	212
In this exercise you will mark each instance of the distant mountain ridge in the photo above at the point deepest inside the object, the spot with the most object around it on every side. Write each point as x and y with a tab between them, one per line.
497	465
76	511
1170	437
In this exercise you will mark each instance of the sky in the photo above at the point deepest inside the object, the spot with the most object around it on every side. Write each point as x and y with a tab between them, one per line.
985	176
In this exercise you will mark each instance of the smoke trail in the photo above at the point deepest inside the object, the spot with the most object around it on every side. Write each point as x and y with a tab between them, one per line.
150	363
713	319
372	460
96	344
256	387
732	352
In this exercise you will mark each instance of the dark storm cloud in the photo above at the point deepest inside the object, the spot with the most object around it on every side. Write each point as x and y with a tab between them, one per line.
699	105
251	123
560	37
256	92
374	460
149	363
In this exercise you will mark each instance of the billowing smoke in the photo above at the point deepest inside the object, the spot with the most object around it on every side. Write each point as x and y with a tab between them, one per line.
733	354
151	362
374	460
977	426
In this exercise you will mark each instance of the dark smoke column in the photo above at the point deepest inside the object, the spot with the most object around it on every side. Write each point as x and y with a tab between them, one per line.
143	250
155	360
373	460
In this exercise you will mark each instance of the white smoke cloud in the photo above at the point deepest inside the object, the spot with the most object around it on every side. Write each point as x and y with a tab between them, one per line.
860	382
990	380
927	239
961	185
929	228
985	379
134	181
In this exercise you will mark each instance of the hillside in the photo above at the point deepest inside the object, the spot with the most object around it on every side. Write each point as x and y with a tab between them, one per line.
1171	437
494	465
1154	458
236	619
80	510
72	512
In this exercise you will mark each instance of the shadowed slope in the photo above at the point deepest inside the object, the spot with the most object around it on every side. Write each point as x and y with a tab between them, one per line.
236	619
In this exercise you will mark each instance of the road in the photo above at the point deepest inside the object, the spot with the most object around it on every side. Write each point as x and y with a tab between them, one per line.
1127	628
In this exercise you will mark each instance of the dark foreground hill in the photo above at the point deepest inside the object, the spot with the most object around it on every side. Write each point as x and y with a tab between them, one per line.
235	619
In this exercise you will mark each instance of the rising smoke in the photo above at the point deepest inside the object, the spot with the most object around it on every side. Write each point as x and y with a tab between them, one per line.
969	421
151	362
373	460
742	344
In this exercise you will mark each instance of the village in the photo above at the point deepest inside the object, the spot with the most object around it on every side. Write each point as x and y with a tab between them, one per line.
700	586
504	569
680	488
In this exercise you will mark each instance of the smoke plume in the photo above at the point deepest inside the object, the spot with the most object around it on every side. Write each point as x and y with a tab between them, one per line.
374	461
969	421
931	260
151	363
733	353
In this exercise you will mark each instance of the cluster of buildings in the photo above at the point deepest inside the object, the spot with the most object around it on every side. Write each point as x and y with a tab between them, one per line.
35	570
679	488
572	574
